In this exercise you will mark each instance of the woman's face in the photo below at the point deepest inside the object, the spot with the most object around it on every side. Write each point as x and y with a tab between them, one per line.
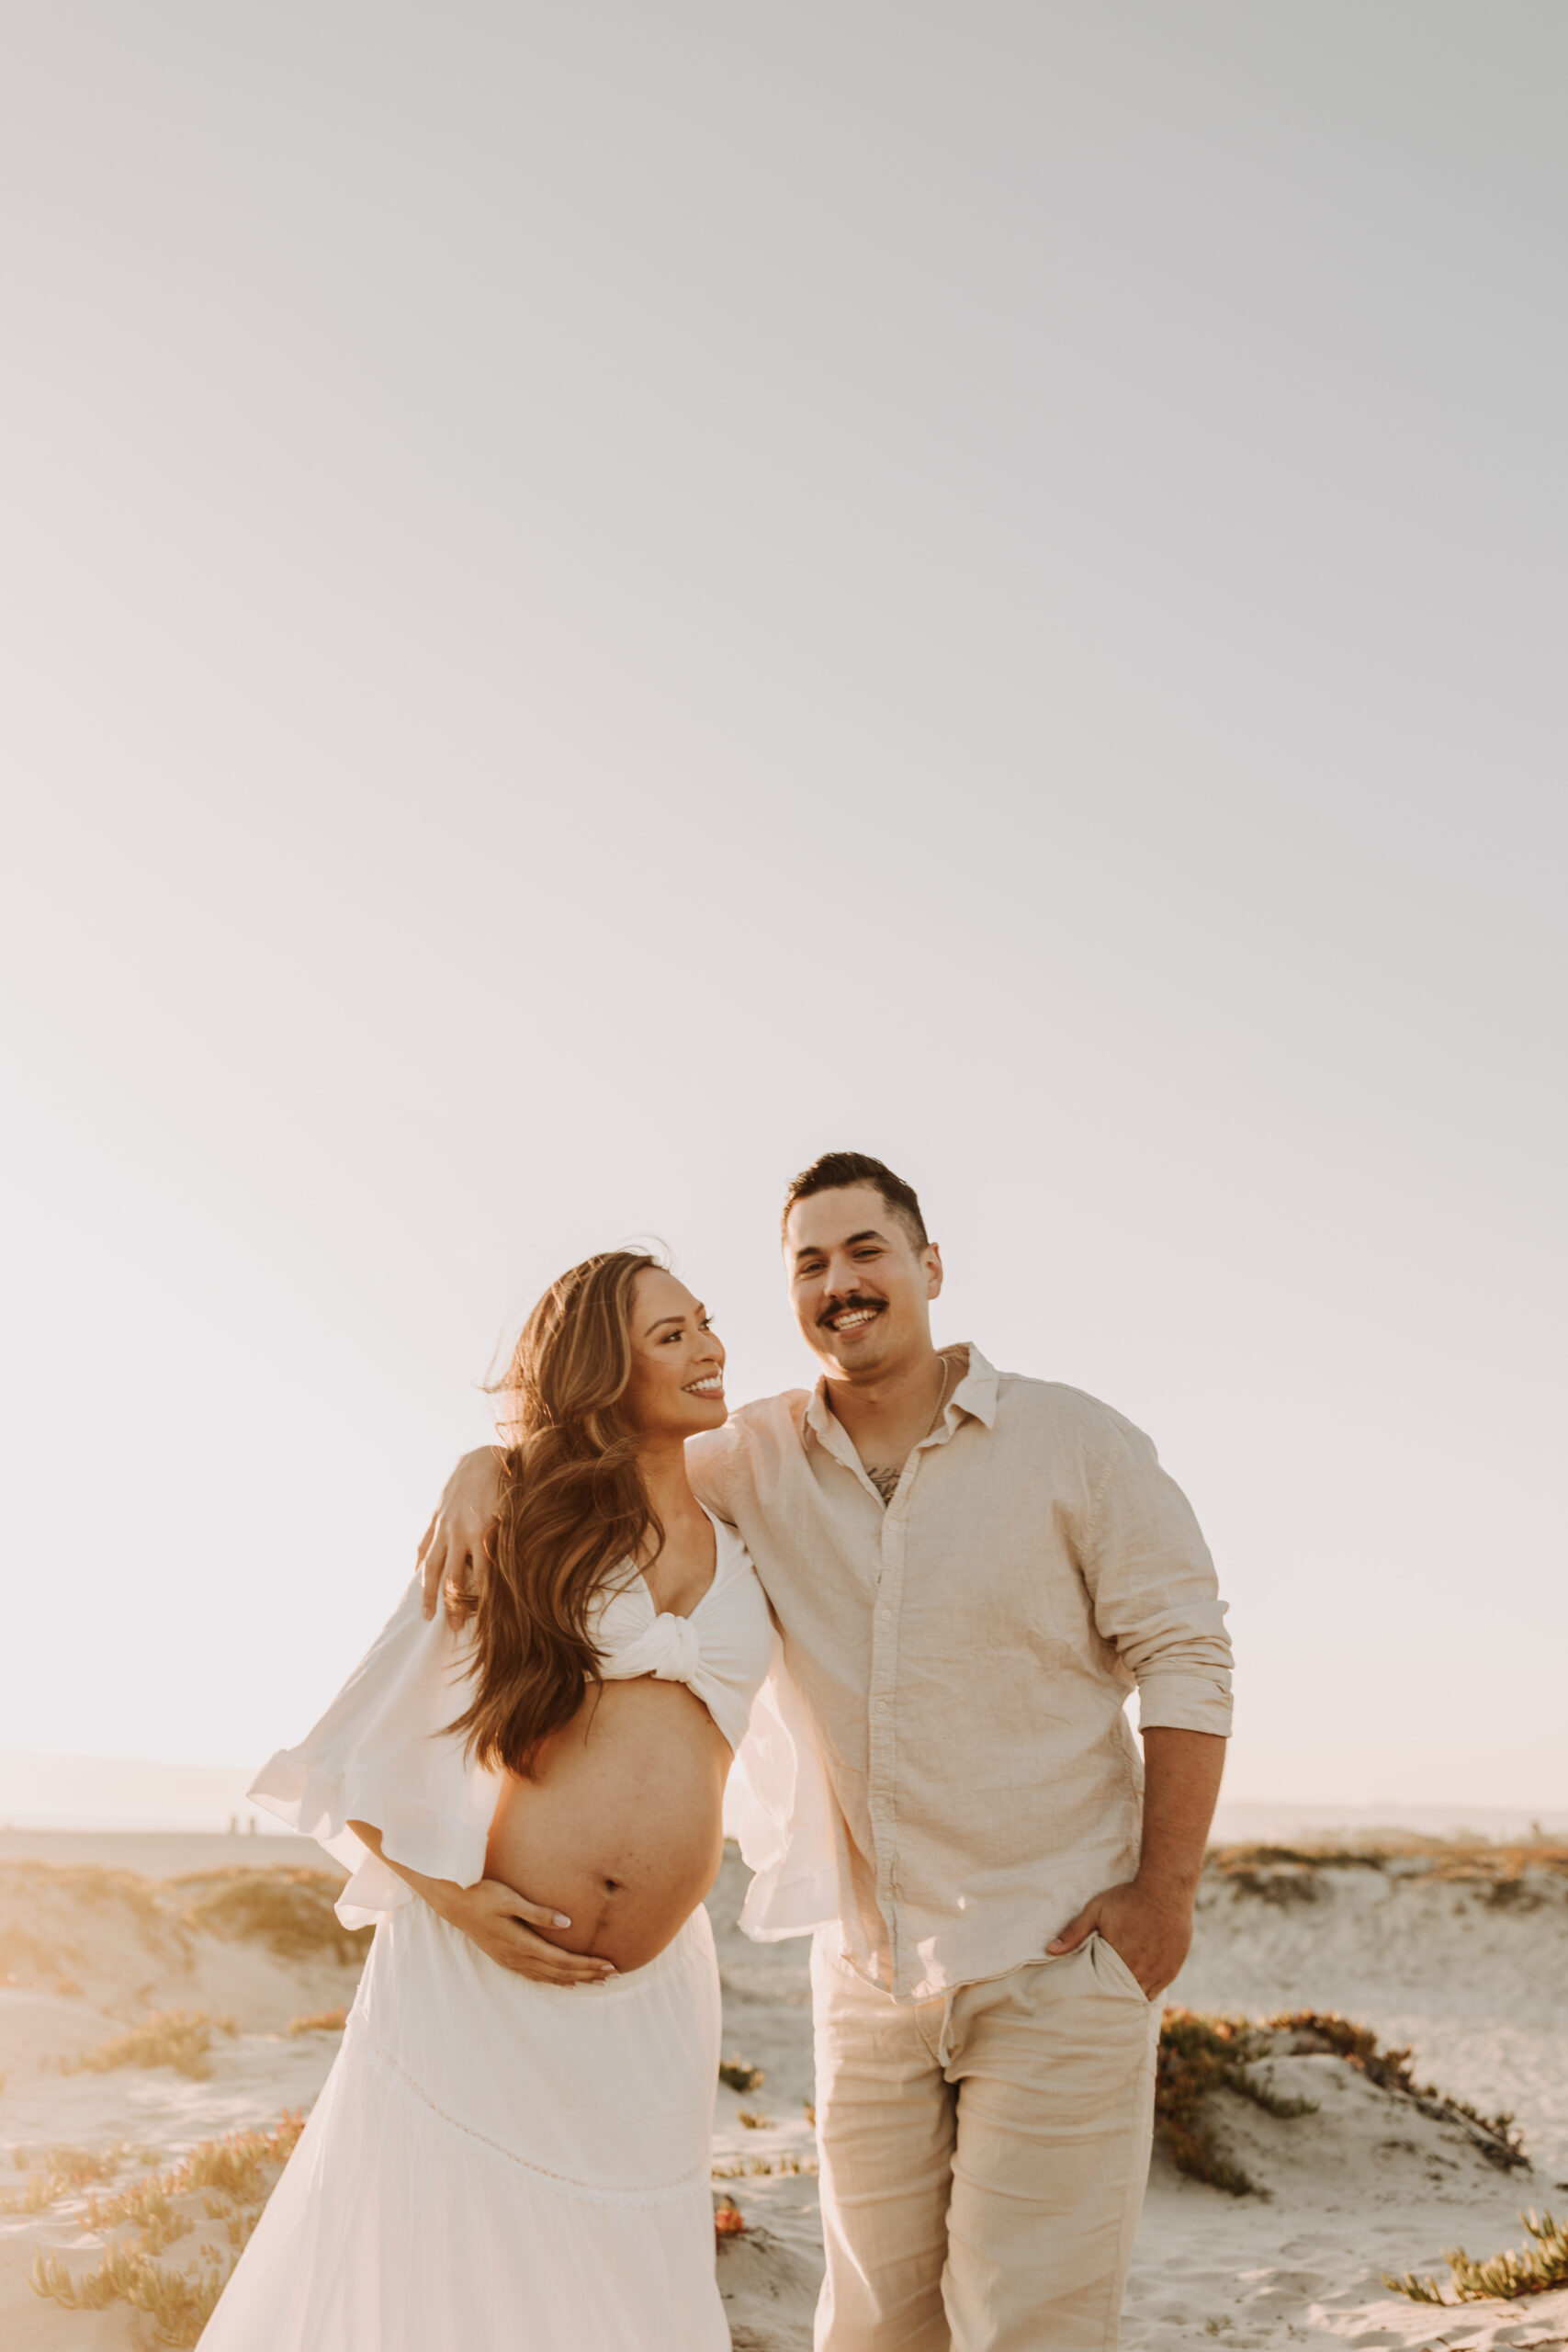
677	1383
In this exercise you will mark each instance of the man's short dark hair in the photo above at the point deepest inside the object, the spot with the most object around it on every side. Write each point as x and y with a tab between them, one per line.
838	1169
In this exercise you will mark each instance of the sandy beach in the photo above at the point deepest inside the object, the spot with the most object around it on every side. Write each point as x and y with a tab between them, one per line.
1454	1953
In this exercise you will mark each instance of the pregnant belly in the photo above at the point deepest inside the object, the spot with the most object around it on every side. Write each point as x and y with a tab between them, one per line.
622	1828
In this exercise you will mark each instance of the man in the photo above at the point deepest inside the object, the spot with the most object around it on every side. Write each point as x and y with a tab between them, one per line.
971	1571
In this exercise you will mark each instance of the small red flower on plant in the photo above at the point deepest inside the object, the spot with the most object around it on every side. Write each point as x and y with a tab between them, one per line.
729	2220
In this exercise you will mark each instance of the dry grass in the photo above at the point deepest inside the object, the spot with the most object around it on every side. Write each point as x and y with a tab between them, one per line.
237	2167
62	2170
761	2167
320	2021
180	2302
233	2178
288	1910
1459	1861
1534	2271
177	2038
24	1954
102	1890
55	1921
754	2122
1237	1862
735	2071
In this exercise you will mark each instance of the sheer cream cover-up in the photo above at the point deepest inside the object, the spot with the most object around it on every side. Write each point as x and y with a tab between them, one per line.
496	2164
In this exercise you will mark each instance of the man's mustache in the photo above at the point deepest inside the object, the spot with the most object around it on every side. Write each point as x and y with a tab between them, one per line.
844	1306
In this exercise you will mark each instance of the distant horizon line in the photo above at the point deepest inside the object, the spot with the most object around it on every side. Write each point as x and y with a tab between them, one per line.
148	1795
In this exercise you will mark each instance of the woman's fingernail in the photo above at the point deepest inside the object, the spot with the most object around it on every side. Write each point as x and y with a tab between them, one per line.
561	1920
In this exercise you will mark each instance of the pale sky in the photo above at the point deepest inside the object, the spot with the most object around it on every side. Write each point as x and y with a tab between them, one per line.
602	599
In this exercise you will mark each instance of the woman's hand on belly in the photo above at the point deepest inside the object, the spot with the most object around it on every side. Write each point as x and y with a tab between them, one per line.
497	1919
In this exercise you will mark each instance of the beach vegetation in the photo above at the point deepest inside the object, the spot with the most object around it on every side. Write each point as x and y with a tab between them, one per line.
180	2302
729	2221
739	2076
24	1954
232	2177
1282	1884
1506	1870
177	2038
1234	1861
755	2123
290	1910
764	2167
1325	2029
56	1920
320	2021
1533	2269
1198	2055
60	2173
88	1882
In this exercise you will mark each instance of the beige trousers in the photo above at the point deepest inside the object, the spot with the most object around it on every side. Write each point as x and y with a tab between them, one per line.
983	2156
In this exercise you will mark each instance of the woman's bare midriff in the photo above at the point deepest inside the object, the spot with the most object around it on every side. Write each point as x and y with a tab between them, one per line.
622	1828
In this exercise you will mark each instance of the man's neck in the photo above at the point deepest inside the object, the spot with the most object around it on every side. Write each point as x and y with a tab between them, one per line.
890	1403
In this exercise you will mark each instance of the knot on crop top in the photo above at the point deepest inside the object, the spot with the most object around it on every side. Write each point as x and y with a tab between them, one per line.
670	1649
720	1652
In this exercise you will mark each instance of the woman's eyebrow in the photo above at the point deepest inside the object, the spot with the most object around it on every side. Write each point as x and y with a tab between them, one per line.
672	1319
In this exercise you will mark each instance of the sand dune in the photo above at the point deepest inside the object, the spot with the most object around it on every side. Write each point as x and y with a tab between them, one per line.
1459	1952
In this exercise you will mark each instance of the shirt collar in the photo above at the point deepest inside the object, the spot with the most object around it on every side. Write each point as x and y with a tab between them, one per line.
976	1394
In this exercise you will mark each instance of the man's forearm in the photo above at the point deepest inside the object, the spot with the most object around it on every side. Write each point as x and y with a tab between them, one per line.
1181	1782
451	1555
1149	1921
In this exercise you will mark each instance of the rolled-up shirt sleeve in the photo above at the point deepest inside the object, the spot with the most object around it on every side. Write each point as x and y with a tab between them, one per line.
1155	1592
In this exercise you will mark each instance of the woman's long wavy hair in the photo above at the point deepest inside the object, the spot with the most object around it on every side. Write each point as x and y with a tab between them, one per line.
572	1509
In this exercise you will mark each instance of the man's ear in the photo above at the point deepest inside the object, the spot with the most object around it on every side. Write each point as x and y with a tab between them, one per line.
933	1256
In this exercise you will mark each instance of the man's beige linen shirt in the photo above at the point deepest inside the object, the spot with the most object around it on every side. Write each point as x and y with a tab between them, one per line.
966	1651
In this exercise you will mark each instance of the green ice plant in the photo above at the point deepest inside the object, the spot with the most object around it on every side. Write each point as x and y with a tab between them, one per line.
1533	2270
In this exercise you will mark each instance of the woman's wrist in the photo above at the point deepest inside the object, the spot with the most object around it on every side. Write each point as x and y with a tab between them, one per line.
439	1893
446	1899
443	1895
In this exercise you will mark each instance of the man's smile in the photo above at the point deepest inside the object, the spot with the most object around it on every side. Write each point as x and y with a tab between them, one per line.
852	1315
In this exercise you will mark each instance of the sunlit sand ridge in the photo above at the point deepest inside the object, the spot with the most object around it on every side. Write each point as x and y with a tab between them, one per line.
159	2040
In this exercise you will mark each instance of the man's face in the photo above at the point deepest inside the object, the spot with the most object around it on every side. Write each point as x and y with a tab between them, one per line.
860	1289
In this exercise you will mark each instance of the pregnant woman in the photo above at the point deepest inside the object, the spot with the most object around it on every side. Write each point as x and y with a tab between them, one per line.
513	2149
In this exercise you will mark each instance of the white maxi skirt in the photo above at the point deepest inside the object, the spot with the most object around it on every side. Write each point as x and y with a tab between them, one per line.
498	2165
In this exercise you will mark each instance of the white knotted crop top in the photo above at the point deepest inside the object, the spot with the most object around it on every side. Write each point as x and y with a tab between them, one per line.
382	1752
